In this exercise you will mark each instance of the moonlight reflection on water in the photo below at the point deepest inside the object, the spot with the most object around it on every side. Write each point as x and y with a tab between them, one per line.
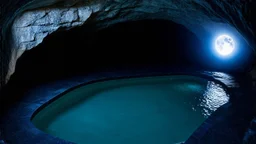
214	97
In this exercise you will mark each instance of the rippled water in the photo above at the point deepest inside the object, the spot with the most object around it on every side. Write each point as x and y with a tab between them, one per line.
228	80
161	110
213	97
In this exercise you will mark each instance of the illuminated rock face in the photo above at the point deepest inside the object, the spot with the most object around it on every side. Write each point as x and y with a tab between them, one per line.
28	24
32	27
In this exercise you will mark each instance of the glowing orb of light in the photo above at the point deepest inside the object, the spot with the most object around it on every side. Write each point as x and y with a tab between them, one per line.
224	45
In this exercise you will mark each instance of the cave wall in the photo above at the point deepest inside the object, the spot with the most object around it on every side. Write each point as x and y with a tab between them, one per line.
197	15
82	51
130	45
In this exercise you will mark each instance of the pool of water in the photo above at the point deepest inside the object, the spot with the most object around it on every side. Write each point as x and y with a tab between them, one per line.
152	110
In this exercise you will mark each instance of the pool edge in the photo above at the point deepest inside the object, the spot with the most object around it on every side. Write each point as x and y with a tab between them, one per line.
120	75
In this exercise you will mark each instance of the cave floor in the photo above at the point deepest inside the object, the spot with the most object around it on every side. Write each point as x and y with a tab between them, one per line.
228	124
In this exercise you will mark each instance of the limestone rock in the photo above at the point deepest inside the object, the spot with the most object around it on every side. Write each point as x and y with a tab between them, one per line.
31	28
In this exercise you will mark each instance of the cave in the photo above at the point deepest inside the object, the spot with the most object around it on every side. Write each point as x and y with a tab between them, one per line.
129	71
130	45
127	45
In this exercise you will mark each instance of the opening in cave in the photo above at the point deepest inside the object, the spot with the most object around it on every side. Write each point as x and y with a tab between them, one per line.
144	43
127	45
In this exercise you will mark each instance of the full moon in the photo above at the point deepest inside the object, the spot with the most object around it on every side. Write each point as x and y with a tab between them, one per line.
224	45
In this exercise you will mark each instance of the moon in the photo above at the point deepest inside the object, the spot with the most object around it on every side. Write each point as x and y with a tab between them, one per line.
224	45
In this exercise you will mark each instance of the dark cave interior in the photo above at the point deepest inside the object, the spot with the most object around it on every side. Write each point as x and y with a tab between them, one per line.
146	43
85	50
126	45
90	41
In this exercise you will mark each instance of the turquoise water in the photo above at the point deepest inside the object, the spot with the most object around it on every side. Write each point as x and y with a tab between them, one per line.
152	110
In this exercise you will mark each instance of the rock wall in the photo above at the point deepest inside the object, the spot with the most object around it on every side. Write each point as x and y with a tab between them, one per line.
32	27
25	26
29	29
